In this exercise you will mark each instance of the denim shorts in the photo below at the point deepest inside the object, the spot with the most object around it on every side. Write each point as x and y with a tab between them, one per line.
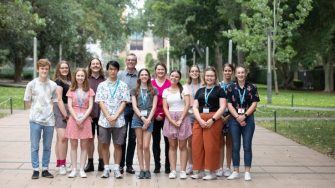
137	123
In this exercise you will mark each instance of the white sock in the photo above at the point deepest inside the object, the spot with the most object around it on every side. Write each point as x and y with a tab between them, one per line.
106	167
116	166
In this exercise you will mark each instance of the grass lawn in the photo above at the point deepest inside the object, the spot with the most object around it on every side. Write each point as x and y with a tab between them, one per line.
268	112
300	98
15	93
318	135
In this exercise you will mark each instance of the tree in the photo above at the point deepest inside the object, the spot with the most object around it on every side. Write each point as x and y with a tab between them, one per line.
17	31
258	18
316	40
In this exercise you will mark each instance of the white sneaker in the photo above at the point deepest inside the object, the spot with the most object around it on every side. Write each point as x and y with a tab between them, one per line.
183	175
233	176
72	174
210	176
173	174
105	173
247	176
62	170
82	173
219	172
189	169
117	174
198	174
226	172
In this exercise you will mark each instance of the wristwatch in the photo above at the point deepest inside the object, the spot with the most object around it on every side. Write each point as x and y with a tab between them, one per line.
213	119
246	116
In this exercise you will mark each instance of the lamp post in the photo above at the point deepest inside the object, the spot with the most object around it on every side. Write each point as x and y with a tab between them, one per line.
269	75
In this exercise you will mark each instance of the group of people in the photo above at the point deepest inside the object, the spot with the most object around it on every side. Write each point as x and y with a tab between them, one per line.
204	119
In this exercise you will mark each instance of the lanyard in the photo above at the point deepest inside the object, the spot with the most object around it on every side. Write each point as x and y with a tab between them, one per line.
206	95
144	97
80	98
117	85
224	86
192	88
241	96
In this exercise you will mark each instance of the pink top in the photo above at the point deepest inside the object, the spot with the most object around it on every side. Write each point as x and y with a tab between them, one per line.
159	109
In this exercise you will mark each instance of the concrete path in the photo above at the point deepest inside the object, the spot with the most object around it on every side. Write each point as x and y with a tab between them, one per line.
277	162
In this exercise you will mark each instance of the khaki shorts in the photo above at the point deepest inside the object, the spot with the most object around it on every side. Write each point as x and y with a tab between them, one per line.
117	134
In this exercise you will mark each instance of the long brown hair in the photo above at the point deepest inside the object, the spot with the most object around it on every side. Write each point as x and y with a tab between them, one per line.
89	71
74	83
151	90
179	84
189	81
58	75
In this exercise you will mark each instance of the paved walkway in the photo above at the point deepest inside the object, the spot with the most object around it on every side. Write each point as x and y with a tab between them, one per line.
277	162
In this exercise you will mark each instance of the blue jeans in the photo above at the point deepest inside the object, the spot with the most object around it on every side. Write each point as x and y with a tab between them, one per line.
35	137
247	133
128	151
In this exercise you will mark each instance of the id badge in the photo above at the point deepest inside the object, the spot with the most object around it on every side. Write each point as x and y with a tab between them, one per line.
205	110
240	110
144	112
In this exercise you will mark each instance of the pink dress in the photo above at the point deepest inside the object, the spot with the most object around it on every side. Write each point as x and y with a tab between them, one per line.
80	102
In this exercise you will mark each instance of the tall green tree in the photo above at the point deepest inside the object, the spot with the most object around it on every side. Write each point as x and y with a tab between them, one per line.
316	40
257	17
18	26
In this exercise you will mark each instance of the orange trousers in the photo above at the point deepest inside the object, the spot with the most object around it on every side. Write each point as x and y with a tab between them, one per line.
206	143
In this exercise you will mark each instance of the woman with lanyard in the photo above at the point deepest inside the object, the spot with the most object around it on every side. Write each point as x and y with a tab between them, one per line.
80	100
193	84
226	143
144	101
61	111
242	102
160	83
209	104
177	125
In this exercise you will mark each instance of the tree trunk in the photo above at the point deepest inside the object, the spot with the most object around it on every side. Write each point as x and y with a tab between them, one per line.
218	60
329	76
240	57
18	63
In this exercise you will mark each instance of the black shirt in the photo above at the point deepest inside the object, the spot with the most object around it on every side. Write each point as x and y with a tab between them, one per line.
65	87
213	98
250	96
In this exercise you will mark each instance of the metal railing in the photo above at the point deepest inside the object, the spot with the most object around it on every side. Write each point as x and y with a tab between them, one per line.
7	101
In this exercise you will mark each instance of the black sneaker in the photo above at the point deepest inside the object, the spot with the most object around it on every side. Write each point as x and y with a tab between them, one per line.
90	166
101	165
46	174
130	170
121	170
167	170
36	175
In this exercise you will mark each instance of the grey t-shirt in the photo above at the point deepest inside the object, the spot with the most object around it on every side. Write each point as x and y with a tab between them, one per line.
147	105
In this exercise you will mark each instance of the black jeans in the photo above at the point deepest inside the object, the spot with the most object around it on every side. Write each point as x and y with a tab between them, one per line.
156	149
127	156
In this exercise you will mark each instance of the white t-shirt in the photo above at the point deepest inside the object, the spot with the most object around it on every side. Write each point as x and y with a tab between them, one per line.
173	99
42	95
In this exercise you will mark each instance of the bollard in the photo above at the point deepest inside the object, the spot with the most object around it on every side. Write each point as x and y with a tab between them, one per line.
275	120
292	101
11	105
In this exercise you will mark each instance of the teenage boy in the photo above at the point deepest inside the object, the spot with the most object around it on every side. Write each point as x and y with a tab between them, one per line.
39	96
112	96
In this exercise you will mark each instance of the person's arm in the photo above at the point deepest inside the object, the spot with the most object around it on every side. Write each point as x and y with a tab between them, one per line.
238	117
186	108
167	113
90	107
196	113
154	106
60	102
135	108
27	104
120	109
218	113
